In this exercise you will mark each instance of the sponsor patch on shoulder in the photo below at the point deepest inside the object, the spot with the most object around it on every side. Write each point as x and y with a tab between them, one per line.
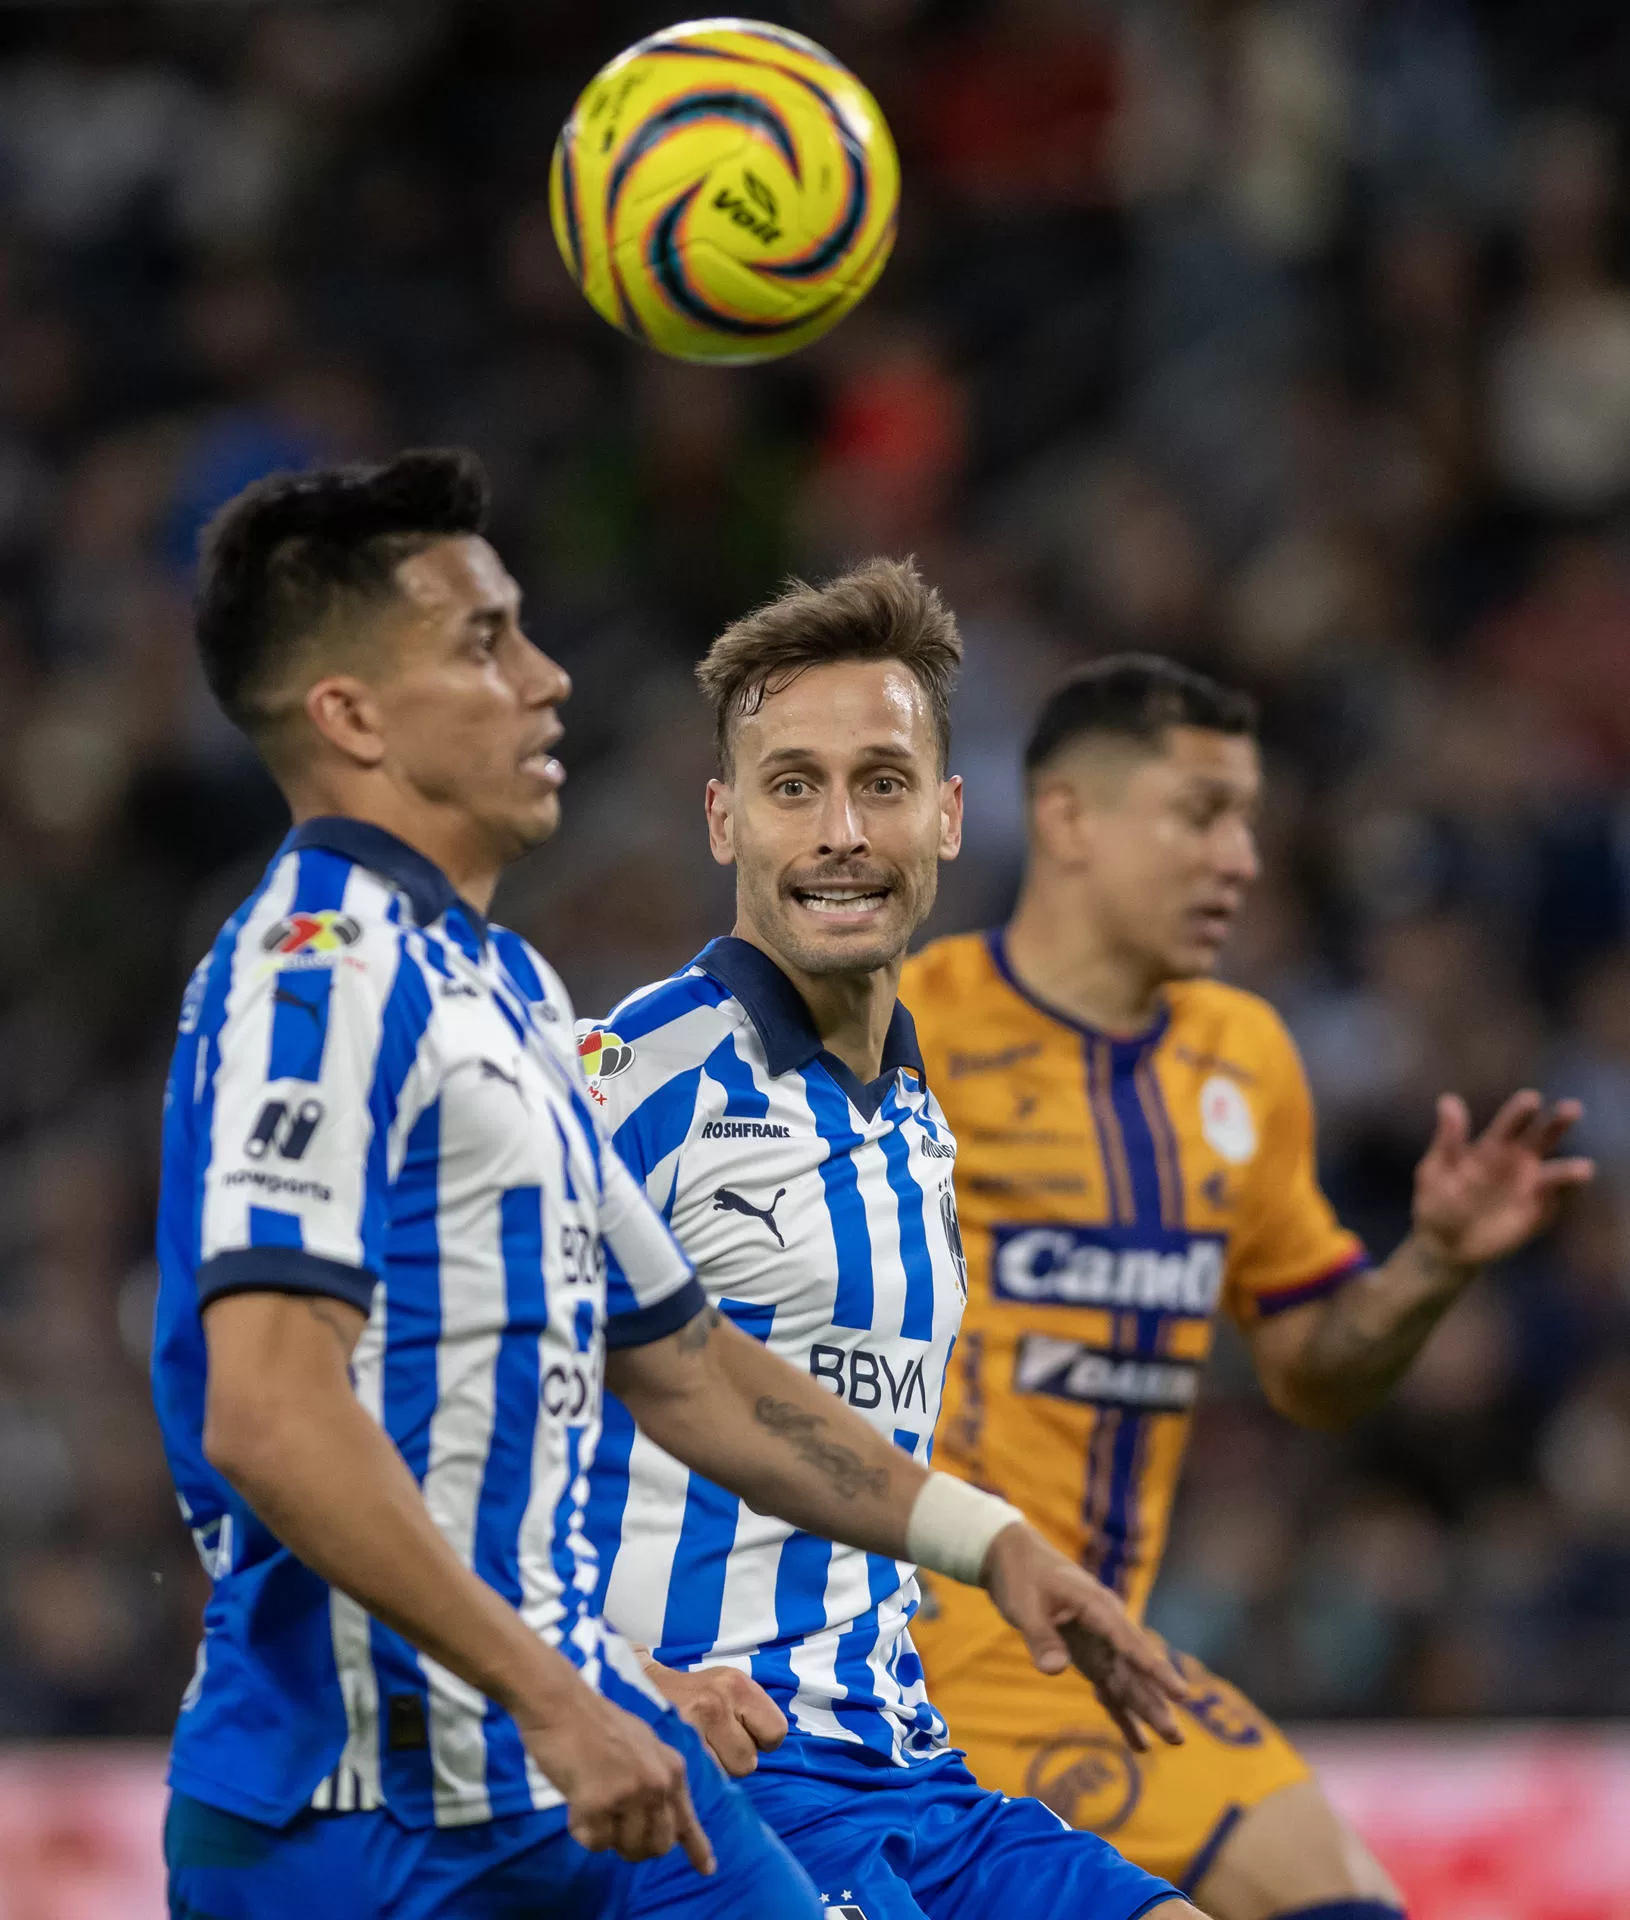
325	931
603	1054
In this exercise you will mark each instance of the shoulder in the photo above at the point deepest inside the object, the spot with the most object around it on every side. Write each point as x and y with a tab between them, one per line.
533	977
655	1036
1211	1019
944	972
315	914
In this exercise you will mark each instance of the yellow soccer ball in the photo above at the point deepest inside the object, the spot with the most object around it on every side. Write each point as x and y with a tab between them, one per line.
725	191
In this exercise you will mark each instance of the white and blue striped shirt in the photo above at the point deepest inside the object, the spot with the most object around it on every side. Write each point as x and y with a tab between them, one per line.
377	1097
820	1217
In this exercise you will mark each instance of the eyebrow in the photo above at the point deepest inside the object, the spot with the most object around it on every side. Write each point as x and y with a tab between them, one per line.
796	756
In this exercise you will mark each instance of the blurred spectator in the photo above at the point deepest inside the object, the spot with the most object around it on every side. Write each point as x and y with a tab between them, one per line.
1290	338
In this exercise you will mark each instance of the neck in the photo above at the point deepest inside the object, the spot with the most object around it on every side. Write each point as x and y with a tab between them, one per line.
452	840
851	1011
1064	958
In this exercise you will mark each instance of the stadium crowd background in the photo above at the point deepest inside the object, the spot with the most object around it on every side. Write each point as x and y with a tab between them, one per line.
1290	338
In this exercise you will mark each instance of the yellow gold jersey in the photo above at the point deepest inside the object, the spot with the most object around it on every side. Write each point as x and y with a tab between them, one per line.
1115	1194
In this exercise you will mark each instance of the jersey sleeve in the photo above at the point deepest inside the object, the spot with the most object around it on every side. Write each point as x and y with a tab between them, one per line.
1289	1247
651	1286
314	1077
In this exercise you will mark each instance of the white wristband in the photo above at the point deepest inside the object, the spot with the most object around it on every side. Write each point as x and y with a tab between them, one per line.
952	1525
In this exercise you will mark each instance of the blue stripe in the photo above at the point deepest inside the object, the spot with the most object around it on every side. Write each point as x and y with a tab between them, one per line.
299	1023
608	1488
412	1272
800	1610
743	1098
1142	1330
633	1019
659	1124
844	1206
513	955
271	1227
565	1522
918	1322
852	1666
691	1622
506	1481
402	1026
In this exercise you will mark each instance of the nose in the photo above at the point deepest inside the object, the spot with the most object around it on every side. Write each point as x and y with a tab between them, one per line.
548	684
843	835
1237	858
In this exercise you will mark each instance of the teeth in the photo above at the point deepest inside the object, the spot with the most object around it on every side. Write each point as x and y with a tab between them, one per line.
839	902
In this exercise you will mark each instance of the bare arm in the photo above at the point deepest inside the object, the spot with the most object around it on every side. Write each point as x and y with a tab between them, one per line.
743	1417
1335	1360
285	1428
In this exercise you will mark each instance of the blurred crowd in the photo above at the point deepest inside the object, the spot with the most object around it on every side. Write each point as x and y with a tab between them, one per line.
1288	336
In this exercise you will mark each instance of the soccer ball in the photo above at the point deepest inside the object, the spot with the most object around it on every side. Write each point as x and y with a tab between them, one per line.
725	191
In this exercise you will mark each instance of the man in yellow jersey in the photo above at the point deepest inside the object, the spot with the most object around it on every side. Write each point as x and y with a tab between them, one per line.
1134	1155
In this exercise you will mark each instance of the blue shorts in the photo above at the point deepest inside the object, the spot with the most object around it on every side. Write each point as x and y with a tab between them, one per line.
365	1866
901	1843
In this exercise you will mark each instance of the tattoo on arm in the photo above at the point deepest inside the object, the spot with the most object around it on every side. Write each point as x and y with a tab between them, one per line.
841	1465
695	1333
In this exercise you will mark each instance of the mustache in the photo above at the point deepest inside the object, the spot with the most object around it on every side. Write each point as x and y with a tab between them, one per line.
877	878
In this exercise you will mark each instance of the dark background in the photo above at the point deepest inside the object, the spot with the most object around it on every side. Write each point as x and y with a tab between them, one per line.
1289	338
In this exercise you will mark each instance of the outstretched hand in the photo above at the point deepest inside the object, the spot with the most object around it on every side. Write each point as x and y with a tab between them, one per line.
1478	1200
1067	1617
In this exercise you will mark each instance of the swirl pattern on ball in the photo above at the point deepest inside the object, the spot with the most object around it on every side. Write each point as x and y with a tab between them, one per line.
725	190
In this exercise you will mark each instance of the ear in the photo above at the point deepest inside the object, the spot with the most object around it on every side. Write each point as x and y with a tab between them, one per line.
951	817
346	715
1057	819
721	822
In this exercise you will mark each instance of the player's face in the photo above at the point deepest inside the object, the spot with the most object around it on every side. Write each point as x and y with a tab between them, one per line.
837	819
467	706
1167	846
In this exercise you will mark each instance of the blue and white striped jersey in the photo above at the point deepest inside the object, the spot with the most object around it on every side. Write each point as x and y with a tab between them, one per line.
376	1097
820	1216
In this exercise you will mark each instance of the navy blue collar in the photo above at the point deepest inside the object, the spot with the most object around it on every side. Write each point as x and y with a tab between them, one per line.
428	889
1127	1044
778	1011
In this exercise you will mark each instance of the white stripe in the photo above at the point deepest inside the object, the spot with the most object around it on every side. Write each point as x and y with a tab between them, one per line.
347	1622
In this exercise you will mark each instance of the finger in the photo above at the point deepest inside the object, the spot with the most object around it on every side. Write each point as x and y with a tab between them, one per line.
1551	1128
763	1719
1561	1176
698	1849
594	1832
1157	1711
1121	1637
1046	1647
1454	1126
733	1747
1509	1123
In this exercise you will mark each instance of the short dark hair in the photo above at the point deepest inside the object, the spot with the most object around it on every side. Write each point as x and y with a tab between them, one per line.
1135	697
882	610
275	560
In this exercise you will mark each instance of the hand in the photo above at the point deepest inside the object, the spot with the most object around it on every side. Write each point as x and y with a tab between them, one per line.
732	1712
1065	1615
625	1790
1478	1200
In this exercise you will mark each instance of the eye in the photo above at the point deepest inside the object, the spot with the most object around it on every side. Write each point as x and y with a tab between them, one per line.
792	788
888	783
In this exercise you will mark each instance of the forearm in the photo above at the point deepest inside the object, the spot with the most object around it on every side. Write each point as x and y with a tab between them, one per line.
330	1485
1361	1341
742	1417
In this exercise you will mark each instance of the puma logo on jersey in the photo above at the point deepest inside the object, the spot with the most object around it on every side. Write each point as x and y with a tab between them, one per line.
724	1201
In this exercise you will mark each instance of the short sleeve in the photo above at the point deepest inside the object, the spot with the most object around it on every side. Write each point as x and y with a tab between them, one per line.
651	1286
1289	1247
313	1068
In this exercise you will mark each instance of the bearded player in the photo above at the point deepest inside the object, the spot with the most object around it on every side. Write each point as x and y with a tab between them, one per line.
1135	1155
771	1098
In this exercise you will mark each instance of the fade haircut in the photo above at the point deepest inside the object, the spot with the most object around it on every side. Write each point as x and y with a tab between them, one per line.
282	558
882	610
1135	698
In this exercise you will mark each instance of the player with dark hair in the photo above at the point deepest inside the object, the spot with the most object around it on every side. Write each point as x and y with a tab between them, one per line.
1135	1154
771	1097
398	1262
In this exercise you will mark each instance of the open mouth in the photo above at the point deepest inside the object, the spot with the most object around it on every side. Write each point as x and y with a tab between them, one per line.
838	901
